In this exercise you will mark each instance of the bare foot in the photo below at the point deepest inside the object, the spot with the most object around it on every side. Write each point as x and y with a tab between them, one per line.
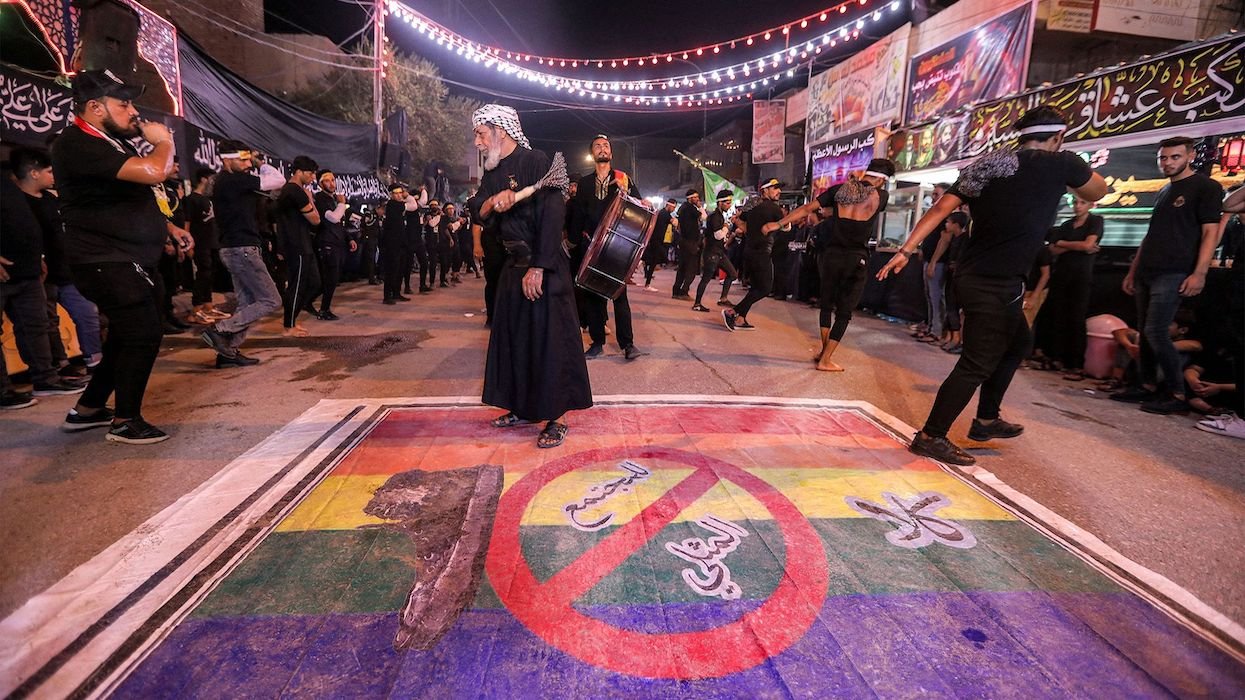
295	332
828	366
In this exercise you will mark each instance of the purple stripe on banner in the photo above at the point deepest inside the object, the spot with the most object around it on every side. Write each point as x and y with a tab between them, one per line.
1013	644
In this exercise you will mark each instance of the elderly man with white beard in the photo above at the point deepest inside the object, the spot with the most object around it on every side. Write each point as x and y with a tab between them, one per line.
535	367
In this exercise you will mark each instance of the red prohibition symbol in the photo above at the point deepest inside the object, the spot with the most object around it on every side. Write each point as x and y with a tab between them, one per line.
547	608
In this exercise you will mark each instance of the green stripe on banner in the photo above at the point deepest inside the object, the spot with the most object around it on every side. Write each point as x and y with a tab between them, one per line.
372	570
715	182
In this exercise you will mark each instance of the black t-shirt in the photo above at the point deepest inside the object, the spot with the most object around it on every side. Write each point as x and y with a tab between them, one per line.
1175	232
200	218
293	229
1074	261
955	250
847	234
689	223
105	219
1014	209
235	199
930	245
21	239
47	212
329	234
715	222
1042	260
766	212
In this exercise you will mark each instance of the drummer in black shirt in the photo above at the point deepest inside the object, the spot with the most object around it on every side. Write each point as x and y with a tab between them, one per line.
594	193
1012	195
716	236
760	222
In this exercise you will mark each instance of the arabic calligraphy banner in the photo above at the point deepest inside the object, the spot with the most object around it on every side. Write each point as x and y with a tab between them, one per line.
1201	84
769	124
983	64
833	161
865	89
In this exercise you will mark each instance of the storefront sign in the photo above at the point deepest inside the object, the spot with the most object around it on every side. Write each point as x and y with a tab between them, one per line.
866	88
983	64
1071	16
769	123
1198	85
1170	19
835	160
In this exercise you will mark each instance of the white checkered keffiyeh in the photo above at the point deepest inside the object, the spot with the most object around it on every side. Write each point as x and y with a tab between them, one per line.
504	117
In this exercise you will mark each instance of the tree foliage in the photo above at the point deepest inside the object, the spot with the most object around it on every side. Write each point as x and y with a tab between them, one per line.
438	124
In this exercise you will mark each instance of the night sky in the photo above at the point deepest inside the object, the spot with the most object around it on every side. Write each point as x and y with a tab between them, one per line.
591	29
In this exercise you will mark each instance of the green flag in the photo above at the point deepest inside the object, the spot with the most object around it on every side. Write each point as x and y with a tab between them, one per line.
715	182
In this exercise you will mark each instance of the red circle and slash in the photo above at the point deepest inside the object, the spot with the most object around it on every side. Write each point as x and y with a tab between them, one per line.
547	608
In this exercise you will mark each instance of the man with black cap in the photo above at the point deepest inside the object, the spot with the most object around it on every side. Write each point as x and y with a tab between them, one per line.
758	242
114	236
593	196
296	219
655	251
330	240
237	193
689	217
1012	194
716	236
393	243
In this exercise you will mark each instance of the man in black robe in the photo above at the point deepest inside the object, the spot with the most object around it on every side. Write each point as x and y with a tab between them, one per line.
595	193
393	243
535	367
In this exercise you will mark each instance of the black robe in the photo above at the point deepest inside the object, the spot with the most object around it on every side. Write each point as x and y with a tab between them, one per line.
535	366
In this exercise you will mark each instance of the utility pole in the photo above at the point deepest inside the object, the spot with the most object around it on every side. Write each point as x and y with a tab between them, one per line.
378	75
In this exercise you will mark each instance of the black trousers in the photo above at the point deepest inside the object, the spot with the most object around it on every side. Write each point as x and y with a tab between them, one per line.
843	276
598	313
367	258
951	300
689	264
714	261
203	276
394	263
996	339
1069	304
169	280
302	284
428	258
131	297
760	269
446	255
331	259
782	272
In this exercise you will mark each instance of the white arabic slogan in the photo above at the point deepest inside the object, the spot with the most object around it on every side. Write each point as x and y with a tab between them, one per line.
28	107
711	577
599	493
914	519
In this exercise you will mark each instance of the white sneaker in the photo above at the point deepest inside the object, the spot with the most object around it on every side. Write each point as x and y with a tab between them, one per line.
1228	424
651	288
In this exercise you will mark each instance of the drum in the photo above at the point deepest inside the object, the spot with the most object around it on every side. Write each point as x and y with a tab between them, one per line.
617	246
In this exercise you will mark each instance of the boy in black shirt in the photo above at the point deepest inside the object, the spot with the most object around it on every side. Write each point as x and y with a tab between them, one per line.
716	235
1074	246
296	215
1170	265
200	219
1012	195
688	224
758	242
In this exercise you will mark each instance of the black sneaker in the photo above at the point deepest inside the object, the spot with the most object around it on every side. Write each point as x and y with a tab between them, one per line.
328	316
631	352
701	308
1134	395
593	351
403	298
728	304
998	429
75	421
136	431
744	325
13	400
1166	407
59	387
72	371
218	341
728	318
391	301
940	449
235	360
682	297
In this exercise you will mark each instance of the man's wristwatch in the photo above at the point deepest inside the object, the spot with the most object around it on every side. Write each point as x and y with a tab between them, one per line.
905	253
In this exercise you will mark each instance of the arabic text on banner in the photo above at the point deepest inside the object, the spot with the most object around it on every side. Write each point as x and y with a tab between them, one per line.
983	64
866	88
834	160
769	125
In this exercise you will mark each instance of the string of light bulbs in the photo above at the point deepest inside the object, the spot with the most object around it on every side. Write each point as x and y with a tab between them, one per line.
781	31
716	86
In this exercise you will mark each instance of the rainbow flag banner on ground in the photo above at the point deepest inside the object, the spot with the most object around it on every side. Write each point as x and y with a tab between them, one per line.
671	548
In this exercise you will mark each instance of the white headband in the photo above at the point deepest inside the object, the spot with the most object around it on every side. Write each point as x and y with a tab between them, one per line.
874	173
235	154
1043	129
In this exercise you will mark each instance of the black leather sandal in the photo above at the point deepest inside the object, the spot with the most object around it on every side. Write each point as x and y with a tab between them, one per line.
507	421
553	435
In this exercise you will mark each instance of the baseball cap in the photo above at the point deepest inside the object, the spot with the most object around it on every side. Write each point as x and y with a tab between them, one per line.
94	84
